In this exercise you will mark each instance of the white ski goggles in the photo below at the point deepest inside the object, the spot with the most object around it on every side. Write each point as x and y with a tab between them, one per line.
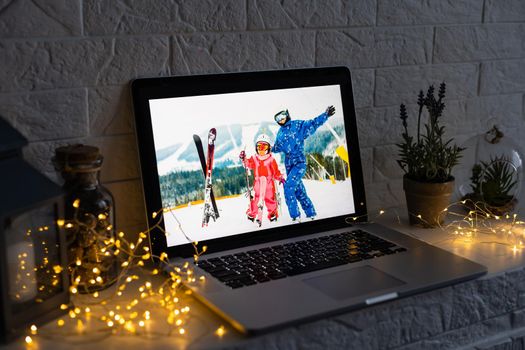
281	116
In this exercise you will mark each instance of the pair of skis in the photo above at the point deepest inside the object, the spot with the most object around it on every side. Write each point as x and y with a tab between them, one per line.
210	206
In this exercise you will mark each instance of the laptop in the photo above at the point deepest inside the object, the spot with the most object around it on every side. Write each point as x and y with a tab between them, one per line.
264	169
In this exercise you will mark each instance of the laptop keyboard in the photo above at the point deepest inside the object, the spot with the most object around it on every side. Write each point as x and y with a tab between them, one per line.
280	261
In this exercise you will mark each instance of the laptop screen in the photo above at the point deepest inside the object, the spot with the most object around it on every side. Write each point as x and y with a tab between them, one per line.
278	157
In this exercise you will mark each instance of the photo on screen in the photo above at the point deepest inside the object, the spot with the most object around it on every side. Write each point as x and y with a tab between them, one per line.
264	174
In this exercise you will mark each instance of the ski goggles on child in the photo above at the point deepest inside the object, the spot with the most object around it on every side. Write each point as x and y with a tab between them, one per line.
282	115
262	146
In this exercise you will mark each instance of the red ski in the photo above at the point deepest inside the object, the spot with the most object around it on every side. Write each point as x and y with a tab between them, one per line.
202	158
209	212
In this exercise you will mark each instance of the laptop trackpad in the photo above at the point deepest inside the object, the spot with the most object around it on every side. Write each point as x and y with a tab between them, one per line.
353	282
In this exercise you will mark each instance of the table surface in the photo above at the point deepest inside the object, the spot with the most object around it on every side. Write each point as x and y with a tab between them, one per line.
492	251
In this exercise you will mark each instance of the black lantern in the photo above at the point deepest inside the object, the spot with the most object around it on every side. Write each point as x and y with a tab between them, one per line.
33	268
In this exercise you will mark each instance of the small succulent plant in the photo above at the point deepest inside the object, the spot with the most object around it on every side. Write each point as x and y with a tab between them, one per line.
493	181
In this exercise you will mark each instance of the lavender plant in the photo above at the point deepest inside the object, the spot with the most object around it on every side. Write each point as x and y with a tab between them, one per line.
428	157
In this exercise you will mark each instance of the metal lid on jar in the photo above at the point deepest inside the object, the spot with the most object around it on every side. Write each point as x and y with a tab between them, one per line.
77	156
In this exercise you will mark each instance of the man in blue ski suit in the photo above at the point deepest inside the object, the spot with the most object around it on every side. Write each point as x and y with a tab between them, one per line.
290	141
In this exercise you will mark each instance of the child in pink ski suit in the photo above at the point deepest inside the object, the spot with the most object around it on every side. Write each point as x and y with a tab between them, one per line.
265	171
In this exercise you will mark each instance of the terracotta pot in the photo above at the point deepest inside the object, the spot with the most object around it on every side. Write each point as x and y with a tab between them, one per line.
428	200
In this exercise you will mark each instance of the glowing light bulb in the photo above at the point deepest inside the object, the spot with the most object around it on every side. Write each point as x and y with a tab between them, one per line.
33	329
220	331
29	340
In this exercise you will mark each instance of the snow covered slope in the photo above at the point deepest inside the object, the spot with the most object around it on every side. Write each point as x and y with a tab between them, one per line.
329	200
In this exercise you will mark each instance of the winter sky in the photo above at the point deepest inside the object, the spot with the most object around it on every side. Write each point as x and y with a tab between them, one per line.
177	119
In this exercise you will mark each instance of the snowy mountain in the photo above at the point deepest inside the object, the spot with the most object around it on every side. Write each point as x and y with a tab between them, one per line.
231	139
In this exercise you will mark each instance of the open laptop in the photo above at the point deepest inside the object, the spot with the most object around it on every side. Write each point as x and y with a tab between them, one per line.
287	237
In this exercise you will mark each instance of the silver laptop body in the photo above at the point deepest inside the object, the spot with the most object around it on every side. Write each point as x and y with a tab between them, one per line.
272	291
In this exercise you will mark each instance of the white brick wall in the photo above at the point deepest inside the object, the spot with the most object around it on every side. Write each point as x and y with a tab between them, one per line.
65	66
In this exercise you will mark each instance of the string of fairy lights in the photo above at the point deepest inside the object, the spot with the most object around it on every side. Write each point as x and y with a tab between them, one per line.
114	312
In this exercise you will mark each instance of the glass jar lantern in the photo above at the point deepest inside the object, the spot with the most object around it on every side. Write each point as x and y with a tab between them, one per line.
33	267
491	174
90	218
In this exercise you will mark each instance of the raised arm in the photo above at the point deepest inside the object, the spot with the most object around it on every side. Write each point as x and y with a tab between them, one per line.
310	126
247	162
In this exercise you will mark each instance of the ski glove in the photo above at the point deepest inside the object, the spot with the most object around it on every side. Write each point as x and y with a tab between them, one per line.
242	155
330	111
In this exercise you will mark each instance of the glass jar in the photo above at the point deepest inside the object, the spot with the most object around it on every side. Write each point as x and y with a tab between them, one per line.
89	217
490	176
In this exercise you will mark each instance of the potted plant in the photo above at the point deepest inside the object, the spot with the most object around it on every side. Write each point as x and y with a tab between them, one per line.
492	187
490	180
427	161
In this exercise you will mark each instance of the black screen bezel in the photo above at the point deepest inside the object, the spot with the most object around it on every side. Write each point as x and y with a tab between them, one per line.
146	89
